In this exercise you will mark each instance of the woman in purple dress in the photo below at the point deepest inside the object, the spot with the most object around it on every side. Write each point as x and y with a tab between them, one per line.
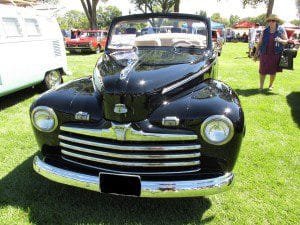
270	47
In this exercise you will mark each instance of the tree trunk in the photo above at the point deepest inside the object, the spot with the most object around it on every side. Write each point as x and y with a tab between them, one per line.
176	6
90	12
164	6
270	7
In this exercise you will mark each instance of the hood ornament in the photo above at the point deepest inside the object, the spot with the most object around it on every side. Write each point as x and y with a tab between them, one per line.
130	65
120	108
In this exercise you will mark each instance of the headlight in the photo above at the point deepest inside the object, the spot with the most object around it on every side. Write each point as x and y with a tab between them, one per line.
44	119
217	130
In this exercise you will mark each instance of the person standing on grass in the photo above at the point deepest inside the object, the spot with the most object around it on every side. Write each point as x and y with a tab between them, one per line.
269	49
252	39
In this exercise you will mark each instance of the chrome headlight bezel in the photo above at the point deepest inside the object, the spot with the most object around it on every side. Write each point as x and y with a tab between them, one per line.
97	78
216	118
50	113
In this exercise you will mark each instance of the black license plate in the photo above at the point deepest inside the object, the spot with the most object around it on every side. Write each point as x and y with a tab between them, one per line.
121	184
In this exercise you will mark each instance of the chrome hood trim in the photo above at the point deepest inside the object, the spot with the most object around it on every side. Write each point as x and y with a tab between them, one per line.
186	80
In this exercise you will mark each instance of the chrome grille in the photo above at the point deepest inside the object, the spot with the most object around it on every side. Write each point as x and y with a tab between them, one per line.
56	48
90	148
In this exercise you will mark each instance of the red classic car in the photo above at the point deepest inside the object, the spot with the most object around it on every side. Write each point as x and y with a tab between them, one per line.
87	41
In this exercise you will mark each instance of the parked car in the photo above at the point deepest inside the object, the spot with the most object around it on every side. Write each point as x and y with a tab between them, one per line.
153	121
88	41
217	42
31	49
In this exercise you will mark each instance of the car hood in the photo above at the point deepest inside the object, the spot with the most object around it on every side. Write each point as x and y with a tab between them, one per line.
147	72
80	40
137	80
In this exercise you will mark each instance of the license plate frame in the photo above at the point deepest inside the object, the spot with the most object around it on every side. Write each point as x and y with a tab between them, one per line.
120	184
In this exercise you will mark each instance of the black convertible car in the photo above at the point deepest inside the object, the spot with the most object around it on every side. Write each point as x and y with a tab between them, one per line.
152	121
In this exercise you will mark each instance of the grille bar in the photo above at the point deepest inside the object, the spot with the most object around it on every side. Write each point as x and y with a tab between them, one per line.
130	147
131	164
129	172
130	156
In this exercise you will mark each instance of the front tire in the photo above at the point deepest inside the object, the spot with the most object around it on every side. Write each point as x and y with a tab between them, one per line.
52	79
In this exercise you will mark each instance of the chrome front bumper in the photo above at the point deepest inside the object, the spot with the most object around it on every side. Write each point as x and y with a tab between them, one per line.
151	189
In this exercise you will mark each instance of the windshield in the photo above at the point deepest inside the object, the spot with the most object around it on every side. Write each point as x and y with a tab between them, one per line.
88	34
158	33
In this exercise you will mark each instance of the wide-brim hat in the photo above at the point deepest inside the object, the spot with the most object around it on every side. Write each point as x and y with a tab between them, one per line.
273	17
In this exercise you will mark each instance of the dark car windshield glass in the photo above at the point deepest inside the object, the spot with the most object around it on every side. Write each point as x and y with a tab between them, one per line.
155	56
158	33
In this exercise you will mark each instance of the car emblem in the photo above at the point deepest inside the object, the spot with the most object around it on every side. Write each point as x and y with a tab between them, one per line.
82	116
121	130
120	108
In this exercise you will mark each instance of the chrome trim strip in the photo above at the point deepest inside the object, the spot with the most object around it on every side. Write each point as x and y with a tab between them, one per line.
152	189
128	172
131	147
188	79
130	156
127	133
130	164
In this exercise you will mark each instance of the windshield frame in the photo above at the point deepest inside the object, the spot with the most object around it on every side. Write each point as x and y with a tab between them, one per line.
159	15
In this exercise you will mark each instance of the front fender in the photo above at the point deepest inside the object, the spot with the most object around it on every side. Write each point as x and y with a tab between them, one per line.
67	100
211	97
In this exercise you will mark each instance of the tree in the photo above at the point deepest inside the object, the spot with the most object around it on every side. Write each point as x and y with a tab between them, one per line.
233	19
176	5
152	6
254	3
216	17
261	19
89	7
105	15
73	19
201	13
296	22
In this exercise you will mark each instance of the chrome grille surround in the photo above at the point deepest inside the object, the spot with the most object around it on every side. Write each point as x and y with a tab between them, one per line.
123	149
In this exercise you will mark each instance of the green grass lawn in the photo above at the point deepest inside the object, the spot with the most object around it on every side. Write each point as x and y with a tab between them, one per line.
266	189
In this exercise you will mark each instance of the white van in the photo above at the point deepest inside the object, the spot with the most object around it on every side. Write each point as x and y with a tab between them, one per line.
32	49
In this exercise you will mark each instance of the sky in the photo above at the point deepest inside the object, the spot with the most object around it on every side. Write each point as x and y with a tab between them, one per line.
285	9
